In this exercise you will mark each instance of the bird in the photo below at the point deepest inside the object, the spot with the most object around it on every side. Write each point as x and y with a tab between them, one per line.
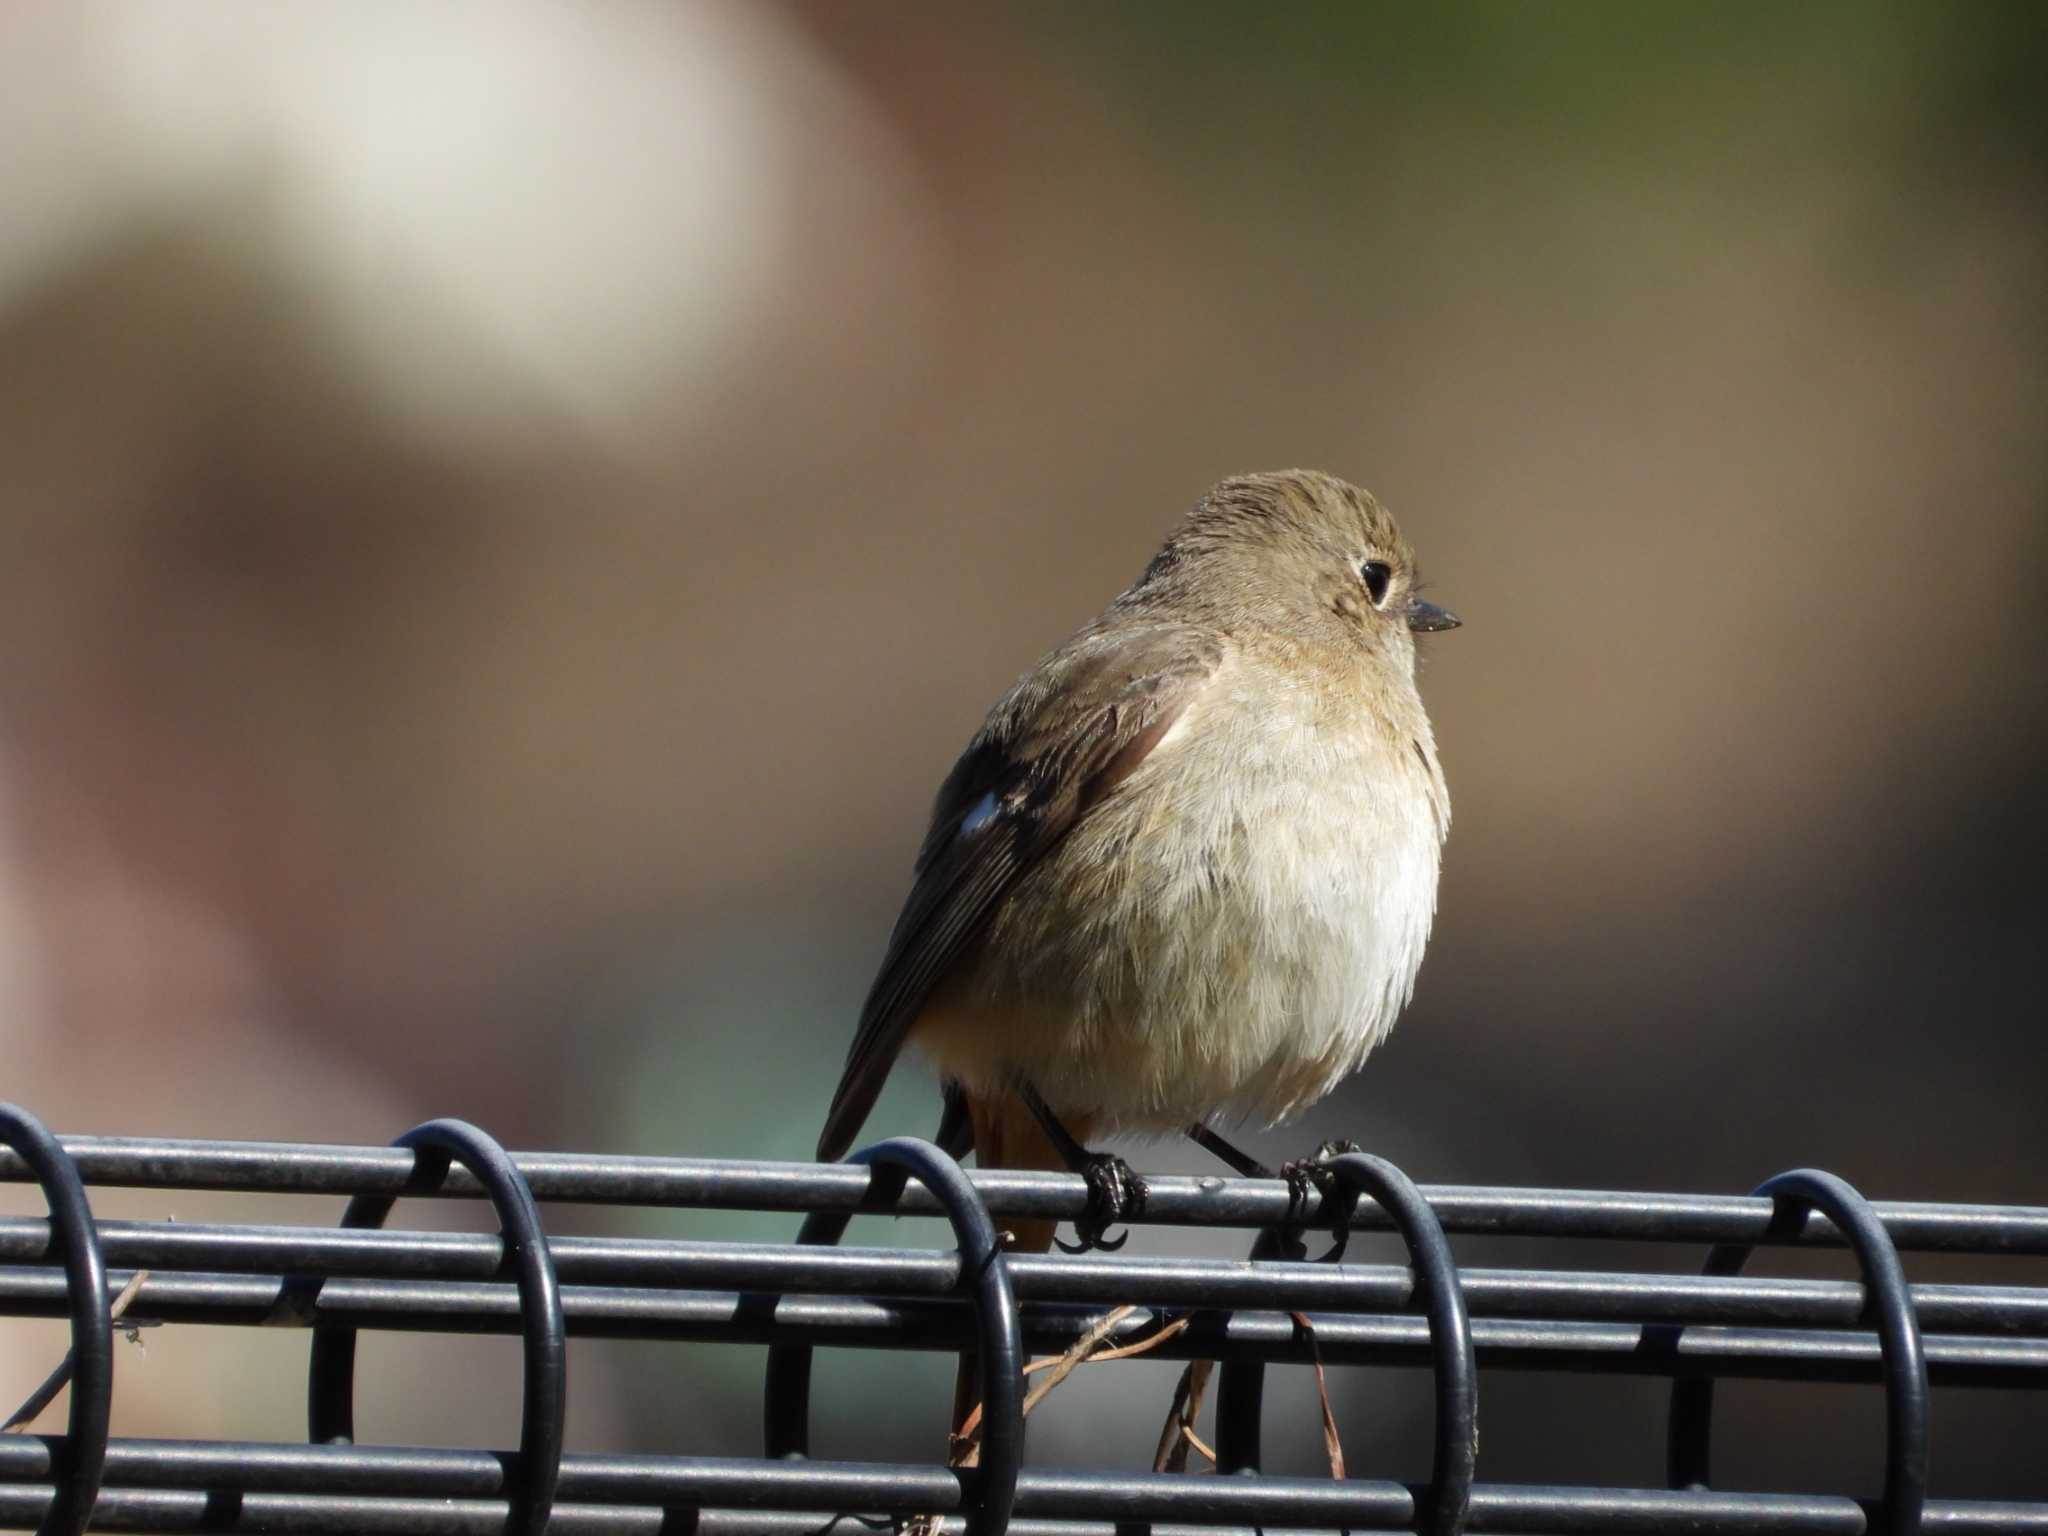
1185	872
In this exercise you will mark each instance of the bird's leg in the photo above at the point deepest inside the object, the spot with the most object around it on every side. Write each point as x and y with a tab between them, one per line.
1283	1241
1115	1192
1241	1163
955	1135
1301	1175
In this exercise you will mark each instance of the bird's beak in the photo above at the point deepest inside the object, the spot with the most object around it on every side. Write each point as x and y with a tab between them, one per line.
1425	618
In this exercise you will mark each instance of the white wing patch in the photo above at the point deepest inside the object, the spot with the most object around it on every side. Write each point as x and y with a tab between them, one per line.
984	811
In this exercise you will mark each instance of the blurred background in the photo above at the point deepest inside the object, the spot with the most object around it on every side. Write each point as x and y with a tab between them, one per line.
507	514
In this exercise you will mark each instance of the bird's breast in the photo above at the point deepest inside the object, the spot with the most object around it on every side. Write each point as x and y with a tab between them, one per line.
1233	930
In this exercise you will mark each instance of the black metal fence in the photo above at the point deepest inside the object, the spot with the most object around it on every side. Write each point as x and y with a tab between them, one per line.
1458	1322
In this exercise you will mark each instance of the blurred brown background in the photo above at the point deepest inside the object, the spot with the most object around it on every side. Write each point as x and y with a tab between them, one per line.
506	514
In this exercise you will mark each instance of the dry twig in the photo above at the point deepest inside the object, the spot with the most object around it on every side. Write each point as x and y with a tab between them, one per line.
1178	1435
1083	1351
964	1445
58	1379
1330	1441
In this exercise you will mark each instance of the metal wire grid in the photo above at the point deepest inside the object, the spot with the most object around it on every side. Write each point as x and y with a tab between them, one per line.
1431	1312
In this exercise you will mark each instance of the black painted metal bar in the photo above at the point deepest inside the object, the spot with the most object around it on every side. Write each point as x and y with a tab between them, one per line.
76	1239
1761	1354
1109	1279
1241	1383
1450	1334
997	1345
257	1485
254	1167
1691	1329
1240	1393
1905	1366
330	1386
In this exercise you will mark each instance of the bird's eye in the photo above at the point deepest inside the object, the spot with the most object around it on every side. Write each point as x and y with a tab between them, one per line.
1377	575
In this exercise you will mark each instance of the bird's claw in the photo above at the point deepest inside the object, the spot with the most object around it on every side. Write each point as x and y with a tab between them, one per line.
1304	1174
1115	1193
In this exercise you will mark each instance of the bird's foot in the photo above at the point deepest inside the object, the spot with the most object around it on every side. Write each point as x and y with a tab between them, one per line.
1313	1172
1304	1174
1115	1193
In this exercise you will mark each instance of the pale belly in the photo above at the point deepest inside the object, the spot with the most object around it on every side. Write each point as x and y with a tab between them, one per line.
1206	954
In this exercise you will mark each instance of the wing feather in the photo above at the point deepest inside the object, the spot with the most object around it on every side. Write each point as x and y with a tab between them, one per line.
1061	740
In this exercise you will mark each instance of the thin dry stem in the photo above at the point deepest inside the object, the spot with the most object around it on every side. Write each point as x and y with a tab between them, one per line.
1331	1443
966	1440
1177	1435
1077	1352
58	1379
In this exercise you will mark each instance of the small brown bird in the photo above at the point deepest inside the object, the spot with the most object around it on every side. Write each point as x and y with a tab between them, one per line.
1186	870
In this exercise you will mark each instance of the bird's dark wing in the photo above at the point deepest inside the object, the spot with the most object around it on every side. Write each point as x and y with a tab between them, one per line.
1059	742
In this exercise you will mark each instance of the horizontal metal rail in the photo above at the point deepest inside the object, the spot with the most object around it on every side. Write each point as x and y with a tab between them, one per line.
1172	1200
1107	1279
1429	1314
847	1322
315	1488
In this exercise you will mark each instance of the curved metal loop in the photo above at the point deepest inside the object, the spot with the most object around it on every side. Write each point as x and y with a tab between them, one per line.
1450	1332
1239	1394
92	1329
1898	1333
330	1388
786	1408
